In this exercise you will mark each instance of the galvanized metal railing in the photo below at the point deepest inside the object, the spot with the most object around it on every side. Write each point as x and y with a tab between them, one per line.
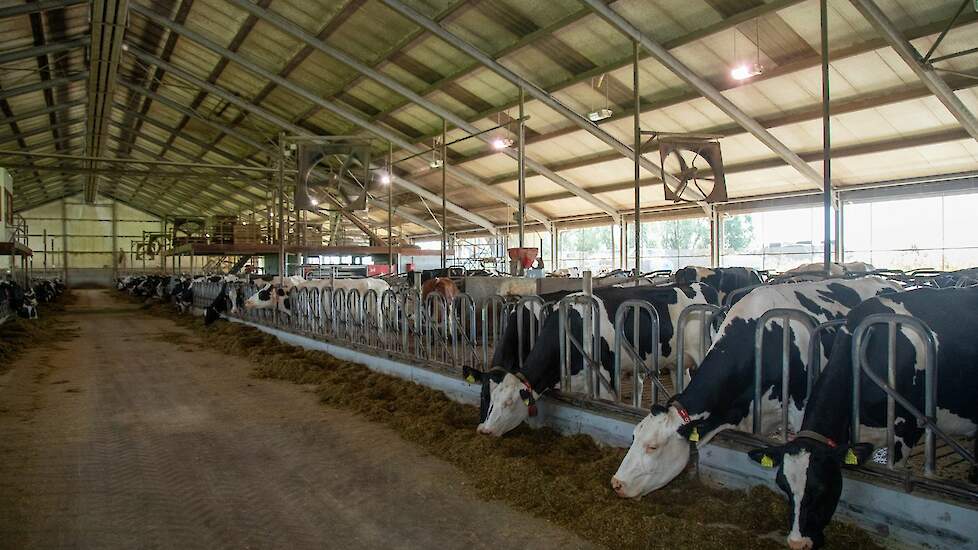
588	345
633	348
524	306
895	324
494	315
786	316
707	313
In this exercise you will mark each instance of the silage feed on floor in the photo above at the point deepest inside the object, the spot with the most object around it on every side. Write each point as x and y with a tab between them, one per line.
19	335
563	479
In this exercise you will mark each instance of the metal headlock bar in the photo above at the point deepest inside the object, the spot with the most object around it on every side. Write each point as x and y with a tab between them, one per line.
785	315
589	346
894	324
814	352
641	368
462	322
535	325
707	313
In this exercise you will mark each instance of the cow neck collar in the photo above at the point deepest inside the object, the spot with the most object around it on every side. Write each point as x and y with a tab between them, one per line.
815	436
681	411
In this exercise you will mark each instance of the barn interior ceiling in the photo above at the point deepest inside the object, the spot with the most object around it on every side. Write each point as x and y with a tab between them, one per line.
211	84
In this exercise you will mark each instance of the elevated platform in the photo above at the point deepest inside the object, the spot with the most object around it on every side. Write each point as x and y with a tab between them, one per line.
16	249
203	249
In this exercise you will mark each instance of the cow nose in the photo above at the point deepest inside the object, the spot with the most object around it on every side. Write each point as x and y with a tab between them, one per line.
618	486
800	544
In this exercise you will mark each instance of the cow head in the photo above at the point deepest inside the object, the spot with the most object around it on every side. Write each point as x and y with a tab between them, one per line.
263	299
810	474
506	400
659	452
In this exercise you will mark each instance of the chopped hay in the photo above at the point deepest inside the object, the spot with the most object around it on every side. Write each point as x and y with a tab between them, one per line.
18	335
563	479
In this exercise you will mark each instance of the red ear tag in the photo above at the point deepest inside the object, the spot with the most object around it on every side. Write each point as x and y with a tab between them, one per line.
684	415
532	410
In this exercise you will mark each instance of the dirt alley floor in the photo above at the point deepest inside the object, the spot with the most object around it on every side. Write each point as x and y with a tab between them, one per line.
130	436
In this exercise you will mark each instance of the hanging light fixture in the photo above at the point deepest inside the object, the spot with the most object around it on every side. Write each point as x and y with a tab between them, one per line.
501	143
746	70
385	179
606	112
435	163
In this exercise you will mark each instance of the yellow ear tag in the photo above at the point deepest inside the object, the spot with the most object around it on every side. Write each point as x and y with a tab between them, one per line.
694	435
470	379
767	462
526	402
851	458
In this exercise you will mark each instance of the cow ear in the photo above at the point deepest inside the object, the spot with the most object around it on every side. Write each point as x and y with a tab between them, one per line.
658	409
854	455
691	430
526	396
497	375
769	457
472	376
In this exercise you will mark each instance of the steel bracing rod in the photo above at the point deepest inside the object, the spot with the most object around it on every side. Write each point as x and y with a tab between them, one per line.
810	61
154	174
40	130
911	57
216	124
182	135
35	51
947	29
154	155
339	110
218	179
108	19
125	161
712	29
206	189
518	81
709	91
43	85
169	196
457	121
297	130
41	112
35	7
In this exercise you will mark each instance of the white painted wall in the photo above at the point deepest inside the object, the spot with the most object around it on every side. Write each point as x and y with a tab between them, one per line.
89	242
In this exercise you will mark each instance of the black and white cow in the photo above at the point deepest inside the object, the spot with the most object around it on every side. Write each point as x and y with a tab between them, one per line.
724	279
512	395
29	308
270	295
810	466
19	301
721	395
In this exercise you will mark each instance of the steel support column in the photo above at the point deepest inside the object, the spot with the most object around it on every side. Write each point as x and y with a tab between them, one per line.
637	146
826	140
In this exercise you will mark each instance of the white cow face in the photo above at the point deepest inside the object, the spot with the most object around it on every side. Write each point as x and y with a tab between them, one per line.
508	407
263	299
658	454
